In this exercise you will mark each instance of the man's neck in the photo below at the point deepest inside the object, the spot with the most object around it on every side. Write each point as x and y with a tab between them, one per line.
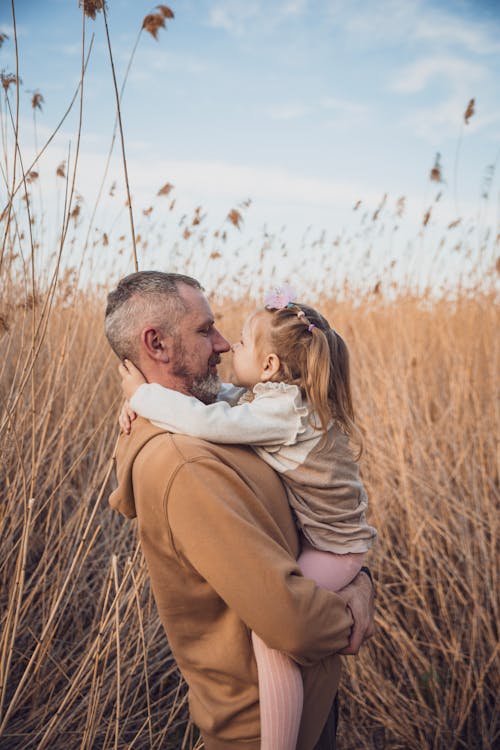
163	376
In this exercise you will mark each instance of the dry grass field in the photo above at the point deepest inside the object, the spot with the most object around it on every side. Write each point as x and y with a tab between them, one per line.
84	662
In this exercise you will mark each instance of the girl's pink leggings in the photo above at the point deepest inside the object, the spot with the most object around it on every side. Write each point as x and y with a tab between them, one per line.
280	681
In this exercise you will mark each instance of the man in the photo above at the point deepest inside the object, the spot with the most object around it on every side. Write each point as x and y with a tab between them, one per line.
218	535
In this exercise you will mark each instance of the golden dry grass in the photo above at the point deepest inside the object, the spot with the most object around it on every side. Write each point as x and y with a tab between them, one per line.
84	660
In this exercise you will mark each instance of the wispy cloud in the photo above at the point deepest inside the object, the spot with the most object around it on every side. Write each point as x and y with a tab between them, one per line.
216	185
239	16
343	109
233	15
444	120
371	24
290	111
341	115
446	29
456	72
22	30
392	22
234	181
343	106
294	7
167	61
71	50
459	79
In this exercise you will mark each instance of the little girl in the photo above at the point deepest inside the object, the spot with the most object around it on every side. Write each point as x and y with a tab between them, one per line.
292	404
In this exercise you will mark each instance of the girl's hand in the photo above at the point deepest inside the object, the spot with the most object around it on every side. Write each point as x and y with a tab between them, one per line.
127	416
131	377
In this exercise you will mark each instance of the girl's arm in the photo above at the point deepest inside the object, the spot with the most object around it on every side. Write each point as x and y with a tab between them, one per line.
230	393
267	420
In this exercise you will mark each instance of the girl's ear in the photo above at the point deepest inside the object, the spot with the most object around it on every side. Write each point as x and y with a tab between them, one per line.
270	366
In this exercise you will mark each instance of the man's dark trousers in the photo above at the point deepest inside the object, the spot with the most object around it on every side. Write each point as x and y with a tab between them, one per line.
327	741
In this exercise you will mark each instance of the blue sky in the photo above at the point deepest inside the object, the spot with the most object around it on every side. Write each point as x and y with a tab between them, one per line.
304	106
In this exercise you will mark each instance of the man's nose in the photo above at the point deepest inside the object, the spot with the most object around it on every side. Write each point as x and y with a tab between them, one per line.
219	343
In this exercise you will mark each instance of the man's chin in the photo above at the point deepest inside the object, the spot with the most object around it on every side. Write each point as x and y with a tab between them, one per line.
206	389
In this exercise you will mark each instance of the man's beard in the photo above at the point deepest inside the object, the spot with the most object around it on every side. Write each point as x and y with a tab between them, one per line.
204	387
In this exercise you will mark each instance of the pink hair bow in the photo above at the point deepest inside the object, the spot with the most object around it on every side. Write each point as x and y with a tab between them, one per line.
279	297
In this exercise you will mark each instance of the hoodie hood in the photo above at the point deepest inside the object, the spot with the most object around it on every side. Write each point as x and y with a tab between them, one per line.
127	450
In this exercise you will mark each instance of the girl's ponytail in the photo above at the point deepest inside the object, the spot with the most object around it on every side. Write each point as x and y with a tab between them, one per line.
316	376
314	357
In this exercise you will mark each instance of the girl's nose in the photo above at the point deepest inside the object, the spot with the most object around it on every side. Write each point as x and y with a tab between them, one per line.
233	347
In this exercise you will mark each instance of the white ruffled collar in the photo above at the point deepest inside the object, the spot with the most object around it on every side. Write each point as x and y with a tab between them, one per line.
271	385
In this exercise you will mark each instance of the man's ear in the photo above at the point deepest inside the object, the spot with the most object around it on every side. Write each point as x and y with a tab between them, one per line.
270	366
155	344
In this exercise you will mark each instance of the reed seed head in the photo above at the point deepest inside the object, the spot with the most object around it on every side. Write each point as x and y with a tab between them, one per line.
435	173
37	100
152	23
165	11
469	111
235	217
400	206
92	7
8	79
166	189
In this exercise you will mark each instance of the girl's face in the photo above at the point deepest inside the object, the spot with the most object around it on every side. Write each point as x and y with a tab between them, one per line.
249	357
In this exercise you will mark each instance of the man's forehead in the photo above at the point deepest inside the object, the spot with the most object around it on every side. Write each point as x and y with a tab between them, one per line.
197	307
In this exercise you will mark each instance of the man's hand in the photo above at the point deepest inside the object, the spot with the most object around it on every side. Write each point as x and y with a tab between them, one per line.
359	597
131	377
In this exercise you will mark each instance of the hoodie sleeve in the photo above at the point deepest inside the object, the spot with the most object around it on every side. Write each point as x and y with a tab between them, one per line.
221	529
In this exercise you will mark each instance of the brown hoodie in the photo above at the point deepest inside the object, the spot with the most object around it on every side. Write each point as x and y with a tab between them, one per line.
221	546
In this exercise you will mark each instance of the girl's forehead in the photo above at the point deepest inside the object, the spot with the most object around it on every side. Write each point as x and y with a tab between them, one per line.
257	328
253	324
246	330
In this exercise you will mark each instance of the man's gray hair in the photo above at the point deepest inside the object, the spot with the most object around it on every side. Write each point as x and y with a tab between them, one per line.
141	299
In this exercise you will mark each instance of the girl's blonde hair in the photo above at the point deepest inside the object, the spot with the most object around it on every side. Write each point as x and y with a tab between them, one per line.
314	357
